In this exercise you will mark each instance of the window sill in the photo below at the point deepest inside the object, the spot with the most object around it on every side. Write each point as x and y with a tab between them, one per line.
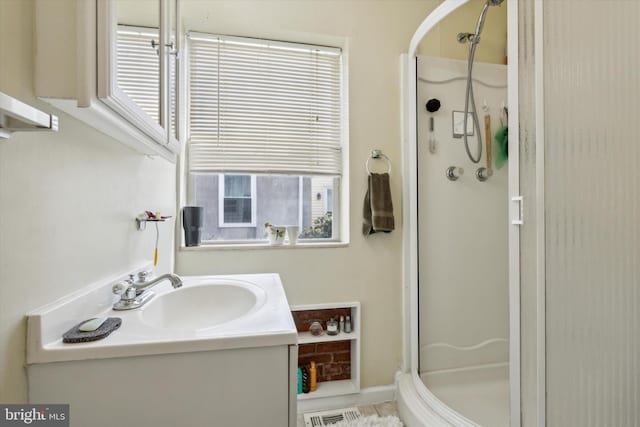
261	245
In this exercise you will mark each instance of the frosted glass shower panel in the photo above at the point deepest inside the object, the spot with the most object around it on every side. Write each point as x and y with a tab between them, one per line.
591	101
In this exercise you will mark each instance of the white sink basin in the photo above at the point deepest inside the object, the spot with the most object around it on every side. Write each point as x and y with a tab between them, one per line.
204	305
208	313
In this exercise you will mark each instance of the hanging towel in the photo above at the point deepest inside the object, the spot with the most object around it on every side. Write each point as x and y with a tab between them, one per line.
377	211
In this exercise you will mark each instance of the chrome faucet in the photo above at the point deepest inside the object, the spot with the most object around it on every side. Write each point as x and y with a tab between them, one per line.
142	285
135	293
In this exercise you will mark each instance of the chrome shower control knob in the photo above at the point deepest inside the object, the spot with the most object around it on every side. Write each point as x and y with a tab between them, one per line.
454	172
484	174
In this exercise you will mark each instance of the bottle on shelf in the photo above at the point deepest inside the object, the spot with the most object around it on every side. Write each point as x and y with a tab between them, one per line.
313	377
347	325
341	323
305	380
332	327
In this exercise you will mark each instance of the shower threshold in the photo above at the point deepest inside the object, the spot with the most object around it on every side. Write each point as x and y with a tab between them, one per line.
479	393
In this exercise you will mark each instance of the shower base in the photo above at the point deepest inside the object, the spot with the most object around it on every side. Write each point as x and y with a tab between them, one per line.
480	394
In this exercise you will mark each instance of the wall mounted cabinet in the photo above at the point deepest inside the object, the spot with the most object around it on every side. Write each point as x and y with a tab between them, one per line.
114	64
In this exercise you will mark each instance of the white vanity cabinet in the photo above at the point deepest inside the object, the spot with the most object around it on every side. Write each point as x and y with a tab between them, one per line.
117	68
227	388
217	351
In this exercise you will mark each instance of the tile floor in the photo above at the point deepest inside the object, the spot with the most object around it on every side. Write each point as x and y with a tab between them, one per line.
383	409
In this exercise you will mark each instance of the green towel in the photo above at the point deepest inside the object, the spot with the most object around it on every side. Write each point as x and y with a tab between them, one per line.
377	211
501	147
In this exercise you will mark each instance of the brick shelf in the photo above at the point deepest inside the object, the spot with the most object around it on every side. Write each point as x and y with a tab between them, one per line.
337	357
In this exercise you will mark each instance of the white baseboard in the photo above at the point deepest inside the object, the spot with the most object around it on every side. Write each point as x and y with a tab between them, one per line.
366	396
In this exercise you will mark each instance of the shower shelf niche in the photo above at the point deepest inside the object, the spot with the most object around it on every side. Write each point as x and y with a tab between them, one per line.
337	387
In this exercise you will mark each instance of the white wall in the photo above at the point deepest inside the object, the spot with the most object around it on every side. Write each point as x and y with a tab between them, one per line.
67	203
463	225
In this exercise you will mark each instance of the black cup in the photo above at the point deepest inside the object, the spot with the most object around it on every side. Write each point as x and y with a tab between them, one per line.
192	220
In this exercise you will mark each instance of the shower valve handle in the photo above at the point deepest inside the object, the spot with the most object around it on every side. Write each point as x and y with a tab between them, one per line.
454	172
483	174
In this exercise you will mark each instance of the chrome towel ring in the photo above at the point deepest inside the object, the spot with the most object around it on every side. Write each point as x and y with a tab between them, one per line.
378	154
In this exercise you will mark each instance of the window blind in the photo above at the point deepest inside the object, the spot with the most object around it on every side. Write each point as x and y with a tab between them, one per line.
259	106
138	67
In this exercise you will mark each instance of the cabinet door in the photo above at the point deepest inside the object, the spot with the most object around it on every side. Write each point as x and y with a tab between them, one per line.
173	42
133	65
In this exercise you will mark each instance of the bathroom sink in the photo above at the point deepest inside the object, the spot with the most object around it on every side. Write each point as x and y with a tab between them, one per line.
202	306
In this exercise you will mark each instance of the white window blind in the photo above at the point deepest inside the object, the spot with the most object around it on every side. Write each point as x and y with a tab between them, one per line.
259	106
138	67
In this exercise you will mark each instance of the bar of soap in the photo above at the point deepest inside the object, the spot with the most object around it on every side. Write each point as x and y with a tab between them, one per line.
92	324
75	335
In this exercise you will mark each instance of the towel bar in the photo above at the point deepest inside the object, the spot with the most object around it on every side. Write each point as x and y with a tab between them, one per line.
377	154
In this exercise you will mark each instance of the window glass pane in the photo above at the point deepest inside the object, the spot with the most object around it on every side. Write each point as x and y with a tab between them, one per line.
237	210
320	224
237	186
329	201
278	199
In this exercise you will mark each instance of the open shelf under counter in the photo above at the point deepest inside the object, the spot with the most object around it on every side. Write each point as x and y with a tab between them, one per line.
307	338
317	348
331	388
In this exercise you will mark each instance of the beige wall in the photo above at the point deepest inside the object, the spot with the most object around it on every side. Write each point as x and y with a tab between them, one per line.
375	33
67	203
441	41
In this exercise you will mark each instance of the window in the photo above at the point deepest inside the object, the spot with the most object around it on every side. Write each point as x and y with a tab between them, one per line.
328	200
265	136
237	200
138	67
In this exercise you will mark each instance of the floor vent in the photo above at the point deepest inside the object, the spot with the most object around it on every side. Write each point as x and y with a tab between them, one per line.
327	418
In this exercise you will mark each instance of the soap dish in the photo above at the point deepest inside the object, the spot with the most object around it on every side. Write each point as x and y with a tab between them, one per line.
75	335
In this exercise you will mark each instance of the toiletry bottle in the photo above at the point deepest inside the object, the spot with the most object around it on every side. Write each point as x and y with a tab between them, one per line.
305	379
347	325
341	323
312	377
299	381
332	327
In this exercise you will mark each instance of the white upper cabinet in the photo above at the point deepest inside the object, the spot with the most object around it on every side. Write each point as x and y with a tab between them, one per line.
126	66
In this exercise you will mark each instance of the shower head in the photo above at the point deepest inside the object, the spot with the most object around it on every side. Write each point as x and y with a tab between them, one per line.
494	2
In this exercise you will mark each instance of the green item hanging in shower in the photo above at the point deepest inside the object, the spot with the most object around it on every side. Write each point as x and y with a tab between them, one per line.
501	144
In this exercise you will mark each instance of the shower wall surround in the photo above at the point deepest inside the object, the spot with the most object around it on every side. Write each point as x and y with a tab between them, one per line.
463	226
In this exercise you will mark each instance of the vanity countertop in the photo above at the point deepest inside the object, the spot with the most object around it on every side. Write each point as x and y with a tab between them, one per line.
267	322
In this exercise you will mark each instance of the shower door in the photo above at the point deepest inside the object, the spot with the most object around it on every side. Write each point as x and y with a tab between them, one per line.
581	317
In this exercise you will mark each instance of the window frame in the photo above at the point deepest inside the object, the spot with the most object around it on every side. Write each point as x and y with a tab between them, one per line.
221	197
341	195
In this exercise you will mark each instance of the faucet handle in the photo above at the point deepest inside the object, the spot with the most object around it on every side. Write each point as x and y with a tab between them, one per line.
142	275
120	288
